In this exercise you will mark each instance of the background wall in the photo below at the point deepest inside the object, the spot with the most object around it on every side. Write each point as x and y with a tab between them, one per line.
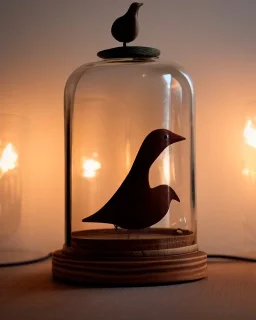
41	42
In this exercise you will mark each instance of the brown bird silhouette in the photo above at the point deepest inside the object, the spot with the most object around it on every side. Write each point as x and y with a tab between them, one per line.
126	28
136	205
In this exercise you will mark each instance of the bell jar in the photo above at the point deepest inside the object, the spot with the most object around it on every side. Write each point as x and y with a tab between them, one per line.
18	214
130	176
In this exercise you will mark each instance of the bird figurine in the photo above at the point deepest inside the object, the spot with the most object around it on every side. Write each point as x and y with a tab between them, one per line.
136	205
126	28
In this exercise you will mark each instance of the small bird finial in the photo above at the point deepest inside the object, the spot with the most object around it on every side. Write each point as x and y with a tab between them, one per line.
126	28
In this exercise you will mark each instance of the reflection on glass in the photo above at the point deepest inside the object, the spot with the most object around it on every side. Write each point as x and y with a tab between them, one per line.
180	223
90	167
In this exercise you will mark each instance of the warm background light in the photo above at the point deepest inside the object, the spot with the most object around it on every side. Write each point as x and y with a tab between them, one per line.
249	169
250	134
90	168
8	159
43	41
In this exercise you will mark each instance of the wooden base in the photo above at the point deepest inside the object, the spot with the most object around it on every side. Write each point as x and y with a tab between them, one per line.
121	258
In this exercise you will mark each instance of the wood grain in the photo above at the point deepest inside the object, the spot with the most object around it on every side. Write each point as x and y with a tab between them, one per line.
129	272
124	258
124	240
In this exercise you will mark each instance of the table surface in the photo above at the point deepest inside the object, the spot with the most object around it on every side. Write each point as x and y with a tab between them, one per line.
229	292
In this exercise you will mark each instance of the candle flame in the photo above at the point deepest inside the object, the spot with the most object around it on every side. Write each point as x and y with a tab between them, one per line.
8	159
250	134
90	168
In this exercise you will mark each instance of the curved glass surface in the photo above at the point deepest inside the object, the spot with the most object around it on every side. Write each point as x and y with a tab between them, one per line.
110	108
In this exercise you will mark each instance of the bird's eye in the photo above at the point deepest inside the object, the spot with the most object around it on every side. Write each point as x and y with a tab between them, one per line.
165	136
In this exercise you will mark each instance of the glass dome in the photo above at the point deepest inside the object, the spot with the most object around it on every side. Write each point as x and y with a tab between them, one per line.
130	176
19	217
114	105
130	184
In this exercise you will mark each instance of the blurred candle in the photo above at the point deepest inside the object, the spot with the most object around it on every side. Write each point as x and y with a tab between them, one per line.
8	159
249	172
90	168
249	169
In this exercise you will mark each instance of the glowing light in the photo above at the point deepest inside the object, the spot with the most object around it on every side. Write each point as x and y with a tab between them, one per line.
246	171
167	79
90	168
249	169
250	173
250	134
8	159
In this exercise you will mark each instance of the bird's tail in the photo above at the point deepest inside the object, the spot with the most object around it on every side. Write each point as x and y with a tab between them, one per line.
92	218
96	217
175	196
89	219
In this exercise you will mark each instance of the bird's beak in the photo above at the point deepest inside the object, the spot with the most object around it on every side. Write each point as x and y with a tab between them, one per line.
140	4
176	138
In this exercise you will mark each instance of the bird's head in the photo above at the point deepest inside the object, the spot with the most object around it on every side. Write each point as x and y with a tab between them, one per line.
153	145
160	139
134	8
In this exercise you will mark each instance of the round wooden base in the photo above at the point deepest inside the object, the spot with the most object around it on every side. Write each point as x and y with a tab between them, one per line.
121	258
